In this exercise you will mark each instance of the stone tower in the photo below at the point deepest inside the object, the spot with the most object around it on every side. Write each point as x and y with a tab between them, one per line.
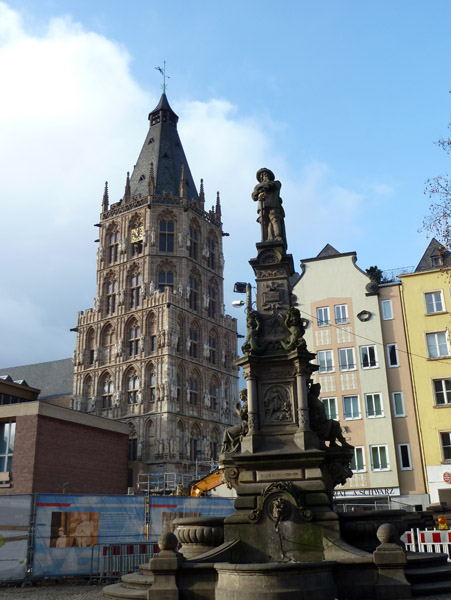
157	350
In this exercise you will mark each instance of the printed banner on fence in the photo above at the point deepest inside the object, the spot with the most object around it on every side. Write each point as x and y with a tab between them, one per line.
15	514
164	509
68	527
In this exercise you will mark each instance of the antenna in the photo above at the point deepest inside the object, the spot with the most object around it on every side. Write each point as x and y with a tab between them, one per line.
163	72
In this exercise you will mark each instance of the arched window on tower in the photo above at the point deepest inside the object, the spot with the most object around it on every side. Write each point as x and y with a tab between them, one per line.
195	448
152	386
132	387
108	341
135	290
212	346
90	346
213	394
113	247
134	338
179	384
132	444
88	392
194	341
193	387
211	260
214	443
193	242
166	242
212	301
107	390
193	293
165	280
111	295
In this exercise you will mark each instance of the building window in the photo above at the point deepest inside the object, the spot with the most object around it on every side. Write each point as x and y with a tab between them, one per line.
212	349
368	357
193	243
374	407
213	396
211	246
132	449
152	386
7	435
132	389
346	359
134	336
108	343
387	310
445	438
330	406
437	260
442	390
434	302
404	457
193	387
193	294
325	361
322	316
341	314
398	404
111	292
153	343
379	458
351	407
392	355
166	243
193	343
178	384
91	344
437	344
137	248
113	247
135	290
107	393
358	460
165	280
211	302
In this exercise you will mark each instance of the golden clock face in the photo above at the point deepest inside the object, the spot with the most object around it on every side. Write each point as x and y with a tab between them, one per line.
137	234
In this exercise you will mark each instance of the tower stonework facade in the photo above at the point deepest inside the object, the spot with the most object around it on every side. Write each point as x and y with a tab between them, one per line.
157	350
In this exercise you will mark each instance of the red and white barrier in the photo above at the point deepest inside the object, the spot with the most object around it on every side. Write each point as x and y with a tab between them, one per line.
428	540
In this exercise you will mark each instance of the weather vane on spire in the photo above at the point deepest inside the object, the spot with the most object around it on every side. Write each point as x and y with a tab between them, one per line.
163	72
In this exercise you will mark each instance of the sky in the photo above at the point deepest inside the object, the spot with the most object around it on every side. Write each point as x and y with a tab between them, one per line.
343	101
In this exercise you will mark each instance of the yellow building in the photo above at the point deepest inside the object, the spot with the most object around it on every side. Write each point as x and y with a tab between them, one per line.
426	303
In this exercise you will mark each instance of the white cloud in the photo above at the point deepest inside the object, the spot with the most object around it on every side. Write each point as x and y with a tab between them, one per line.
71	116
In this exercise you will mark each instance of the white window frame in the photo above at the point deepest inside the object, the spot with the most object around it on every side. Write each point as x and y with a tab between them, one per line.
323	316
346	366
6	457
387	310
432	294
342	316
395	412
328	403
389	363
370	366
401	466
448	445
370	398
359	450
327	365
377	448
443	391
438	345
354	416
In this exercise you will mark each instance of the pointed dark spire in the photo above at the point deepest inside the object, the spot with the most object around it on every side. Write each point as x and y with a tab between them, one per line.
163	148
202	195
105	201
151	181
127	194
218	207
182	190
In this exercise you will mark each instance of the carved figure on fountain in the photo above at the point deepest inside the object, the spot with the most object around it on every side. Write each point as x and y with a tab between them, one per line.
328	430
233	435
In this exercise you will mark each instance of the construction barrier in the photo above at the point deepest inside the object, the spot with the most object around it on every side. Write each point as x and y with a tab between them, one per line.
428	540
111	561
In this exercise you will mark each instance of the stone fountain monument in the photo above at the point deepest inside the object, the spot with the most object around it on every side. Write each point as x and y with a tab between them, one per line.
283	540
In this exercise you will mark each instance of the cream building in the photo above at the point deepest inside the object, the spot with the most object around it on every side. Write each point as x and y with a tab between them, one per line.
427	306
343	308
157	350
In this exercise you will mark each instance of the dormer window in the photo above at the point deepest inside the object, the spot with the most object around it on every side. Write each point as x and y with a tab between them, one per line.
437	260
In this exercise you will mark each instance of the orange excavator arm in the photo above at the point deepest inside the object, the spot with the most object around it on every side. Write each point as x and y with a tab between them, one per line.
206	484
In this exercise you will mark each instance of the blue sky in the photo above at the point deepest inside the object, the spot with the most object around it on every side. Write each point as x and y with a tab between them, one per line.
342	100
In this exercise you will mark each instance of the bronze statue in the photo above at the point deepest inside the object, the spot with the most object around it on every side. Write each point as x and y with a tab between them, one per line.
233	435
328	430
295	326
271	214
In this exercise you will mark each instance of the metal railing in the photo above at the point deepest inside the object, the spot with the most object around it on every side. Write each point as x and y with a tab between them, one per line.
112	561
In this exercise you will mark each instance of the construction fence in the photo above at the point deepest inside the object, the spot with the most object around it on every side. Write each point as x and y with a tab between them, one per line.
56	535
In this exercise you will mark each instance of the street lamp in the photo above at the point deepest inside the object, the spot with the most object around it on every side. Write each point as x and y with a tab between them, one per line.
241	287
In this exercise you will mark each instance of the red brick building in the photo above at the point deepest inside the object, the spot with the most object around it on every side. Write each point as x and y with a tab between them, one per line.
48	449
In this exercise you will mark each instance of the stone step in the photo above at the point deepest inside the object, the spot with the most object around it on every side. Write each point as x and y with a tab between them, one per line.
415	559
428	572
117	591
137	580
431	587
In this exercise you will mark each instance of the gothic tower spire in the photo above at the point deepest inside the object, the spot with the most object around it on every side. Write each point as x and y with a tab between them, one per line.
105	201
